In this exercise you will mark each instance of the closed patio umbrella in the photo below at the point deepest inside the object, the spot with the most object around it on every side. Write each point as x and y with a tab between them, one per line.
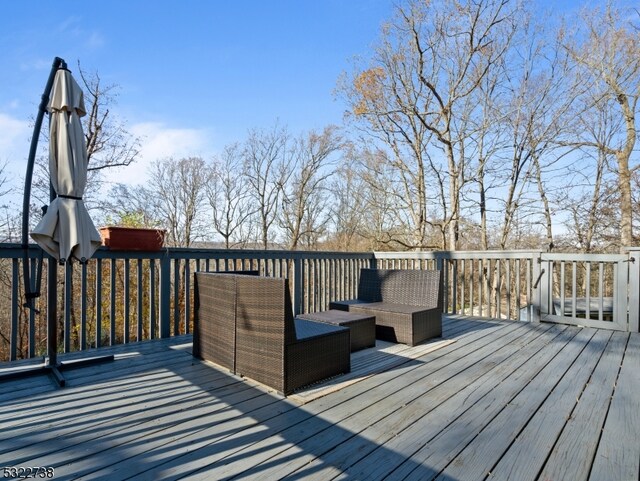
66	230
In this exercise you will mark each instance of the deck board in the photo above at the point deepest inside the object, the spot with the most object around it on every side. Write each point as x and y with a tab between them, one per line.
307	422
453	422
533	407
572	456
355	416
618	453
433	409
512	399
534	430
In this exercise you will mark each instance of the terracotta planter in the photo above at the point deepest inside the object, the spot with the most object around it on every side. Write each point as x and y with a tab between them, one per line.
132	239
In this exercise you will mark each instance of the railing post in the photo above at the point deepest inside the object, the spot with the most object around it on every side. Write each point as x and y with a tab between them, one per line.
538	298
165	293
297	286
440	265
634	288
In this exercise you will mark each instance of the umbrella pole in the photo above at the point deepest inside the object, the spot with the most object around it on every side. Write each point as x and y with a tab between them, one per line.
26	200
52	314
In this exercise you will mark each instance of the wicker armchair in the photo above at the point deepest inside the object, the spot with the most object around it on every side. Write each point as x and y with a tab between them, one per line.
267	345
214	333
214	337
407	303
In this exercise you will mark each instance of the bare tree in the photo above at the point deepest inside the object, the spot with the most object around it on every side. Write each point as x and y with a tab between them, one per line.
606	51
537	117
131	206
7	221
594	189
267	160
348	211
417	95
177	187
304	215
109	143
228	195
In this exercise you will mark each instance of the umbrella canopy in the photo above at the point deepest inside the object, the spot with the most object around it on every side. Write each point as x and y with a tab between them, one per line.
66	230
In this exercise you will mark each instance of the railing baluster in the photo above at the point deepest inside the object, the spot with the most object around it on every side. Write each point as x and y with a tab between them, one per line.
587	307
152	299
32	318
508	286
498	283
83	307
187	295
531	305
620	307
112	316
140	299
13	347
298	292
518	281
563	287
600	291
176	297
488	289
126	311
447	270
317	282
68	301
574	281
471	286
481	278
462	292
98	303
164	297
634	289
454	287
322	283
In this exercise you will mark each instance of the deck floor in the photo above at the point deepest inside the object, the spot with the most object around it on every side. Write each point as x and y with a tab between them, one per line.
506	401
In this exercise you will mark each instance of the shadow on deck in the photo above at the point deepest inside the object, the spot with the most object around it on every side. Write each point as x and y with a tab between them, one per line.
460	412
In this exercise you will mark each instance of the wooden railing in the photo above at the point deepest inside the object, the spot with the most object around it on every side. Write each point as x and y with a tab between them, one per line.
120	297
126	296
485	284
593	290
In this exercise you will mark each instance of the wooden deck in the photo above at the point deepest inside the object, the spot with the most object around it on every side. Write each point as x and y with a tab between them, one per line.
506	401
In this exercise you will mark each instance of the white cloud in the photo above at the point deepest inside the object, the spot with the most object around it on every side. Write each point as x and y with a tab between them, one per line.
14	142
96	40
12	132
160	141
37	64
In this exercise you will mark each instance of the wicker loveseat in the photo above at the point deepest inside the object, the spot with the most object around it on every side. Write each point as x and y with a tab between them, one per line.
246	324
407	303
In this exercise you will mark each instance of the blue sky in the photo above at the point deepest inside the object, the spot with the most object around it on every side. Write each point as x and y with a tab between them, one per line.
193	75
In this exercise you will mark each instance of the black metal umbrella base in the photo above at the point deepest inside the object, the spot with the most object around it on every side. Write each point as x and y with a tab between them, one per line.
55	370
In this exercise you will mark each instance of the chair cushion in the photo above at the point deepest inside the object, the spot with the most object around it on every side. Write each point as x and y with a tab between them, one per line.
306	329
390	307
344	305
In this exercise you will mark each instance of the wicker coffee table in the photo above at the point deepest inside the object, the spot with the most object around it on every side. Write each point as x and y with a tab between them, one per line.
362	326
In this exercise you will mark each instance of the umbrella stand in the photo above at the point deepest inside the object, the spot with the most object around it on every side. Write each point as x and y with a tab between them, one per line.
51	365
